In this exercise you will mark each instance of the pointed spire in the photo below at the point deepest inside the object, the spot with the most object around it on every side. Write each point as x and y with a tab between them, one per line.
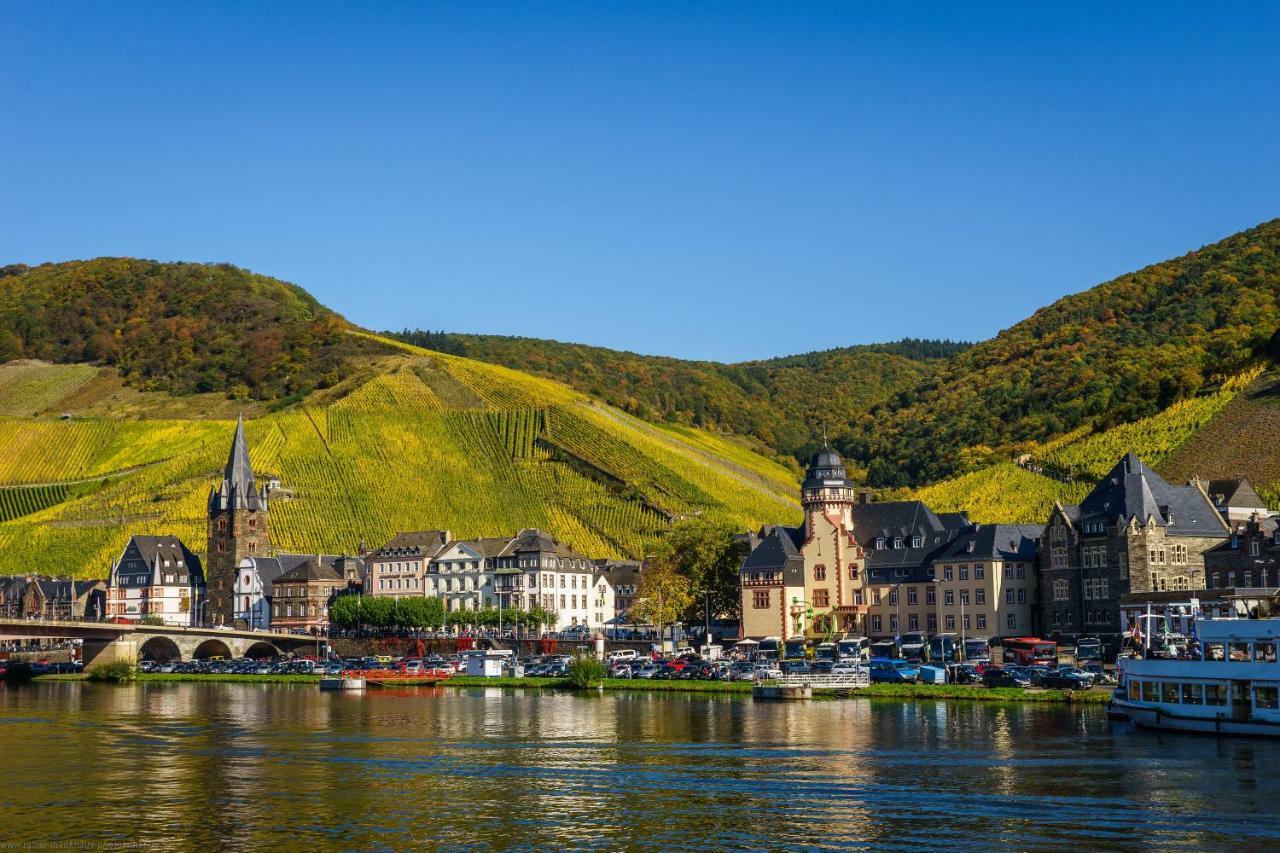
238	490
238	472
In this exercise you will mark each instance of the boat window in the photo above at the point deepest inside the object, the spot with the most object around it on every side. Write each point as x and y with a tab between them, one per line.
1239	650
1191	694
1135	690
1213	651
1215	694
1169	693
1150	691
1266	697
1265	651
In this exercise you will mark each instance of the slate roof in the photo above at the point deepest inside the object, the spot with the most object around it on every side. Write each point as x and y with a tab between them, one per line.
237	490
311	569
1237	493
826	468
905	520
487	547
171	548
269	569
777	549
532	539
1133	490
423	544
1004	542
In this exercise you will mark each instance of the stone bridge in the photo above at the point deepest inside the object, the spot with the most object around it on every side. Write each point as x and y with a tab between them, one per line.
106	642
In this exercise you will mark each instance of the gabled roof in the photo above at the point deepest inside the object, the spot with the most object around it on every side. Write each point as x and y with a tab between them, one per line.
171	548
423	544
1133	491
485	547
1004	542
908	521
776	549
1237	494
532	539
312	569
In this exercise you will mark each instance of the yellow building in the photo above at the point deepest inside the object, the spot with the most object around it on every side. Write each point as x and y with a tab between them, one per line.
807	581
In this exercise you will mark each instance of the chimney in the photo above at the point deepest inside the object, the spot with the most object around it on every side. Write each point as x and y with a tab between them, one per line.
864	497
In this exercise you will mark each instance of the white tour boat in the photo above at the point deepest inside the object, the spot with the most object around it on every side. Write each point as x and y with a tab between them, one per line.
1233	687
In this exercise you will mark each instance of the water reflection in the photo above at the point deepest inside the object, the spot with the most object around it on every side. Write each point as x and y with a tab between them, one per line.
196	766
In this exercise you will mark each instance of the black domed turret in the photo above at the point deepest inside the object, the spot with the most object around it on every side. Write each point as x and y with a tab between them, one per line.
826	469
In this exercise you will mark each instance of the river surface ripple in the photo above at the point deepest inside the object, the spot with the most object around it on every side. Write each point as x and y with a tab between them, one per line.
269	767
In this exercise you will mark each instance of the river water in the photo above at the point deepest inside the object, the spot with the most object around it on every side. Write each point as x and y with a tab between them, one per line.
240	766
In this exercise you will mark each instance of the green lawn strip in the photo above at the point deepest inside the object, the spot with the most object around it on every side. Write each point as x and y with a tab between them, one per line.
982	694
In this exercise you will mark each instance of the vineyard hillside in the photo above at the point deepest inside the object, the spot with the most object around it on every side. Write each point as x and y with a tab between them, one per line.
1220	434
429	440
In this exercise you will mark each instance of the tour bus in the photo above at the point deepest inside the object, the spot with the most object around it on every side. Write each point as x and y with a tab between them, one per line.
1088	648
977	649
853	648
886	649
1028	651
797	647
825	651
769	648
915	647
944	648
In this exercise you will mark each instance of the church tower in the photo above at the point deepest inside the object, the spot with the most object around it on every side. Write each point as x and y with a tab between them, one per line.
237	529
827	492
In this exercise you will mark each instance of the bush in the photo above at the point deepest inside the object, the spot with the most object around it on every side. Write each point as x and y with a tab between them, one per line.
585	671
118	672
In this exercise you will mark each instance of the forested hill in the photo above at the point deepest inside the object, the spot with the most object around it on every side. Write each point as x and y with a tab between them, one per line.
177	327
1121	351
784	402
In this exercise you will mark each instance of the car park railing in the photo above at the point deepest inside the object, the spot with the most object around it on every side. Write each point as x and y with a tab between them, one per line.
826	681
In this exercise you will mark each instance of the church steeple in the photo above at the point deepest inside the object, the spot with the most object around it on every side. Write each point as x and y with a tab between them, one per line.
238	490
238	528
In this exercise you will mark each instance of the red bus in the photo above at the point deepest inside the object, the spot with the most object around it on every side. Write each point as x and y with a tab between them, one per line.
1026	651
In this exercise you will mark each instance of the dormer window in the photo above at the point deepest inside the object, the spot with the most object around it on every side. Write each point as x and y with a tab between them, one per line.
917	541
897	542
880	542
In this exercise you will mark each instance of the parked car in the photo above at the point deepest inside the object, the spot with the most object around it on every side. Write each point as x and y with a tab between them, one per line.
1099	673
1067	677
646	670
895	671
998	677
963	673
795	666
847	667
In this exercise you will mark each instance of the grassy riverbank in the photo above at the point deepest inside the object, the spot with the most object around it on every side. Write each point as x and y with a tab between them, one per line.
965	692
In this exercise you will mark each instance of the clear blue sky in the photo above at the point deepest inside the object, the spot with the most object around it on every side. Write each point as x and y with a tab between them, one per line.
707	180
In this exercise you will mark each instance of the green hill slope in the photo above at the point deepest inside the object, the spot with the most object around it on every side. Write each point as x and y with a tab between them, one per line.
426	441
783	402
177	327
1123	351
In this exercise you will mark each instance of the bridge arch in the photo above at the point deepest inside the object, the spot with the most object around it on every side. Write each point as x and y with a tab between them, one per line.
160	650
212	648
261	649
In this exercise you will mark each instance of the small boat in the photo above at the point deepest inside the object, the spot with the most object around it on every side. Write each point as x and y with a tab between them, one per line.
1229	685
342	682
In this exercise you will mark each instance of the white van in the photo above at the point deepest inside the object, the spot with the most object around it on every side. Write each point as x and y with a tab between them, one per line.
622	654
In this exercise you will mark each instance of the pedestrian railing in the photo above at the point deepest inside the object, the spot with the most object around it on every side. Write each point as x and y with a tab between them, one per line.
824	681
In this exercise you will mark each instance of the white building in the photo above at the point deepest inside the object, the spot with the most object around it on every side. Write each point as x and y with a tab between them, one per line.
156	577
535	568
463	573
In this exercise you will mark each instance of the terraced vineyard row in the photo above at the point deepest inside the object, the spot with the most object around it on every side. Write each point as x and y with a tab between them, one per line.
1001	493
438	442
25	500
1152	438
27	388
